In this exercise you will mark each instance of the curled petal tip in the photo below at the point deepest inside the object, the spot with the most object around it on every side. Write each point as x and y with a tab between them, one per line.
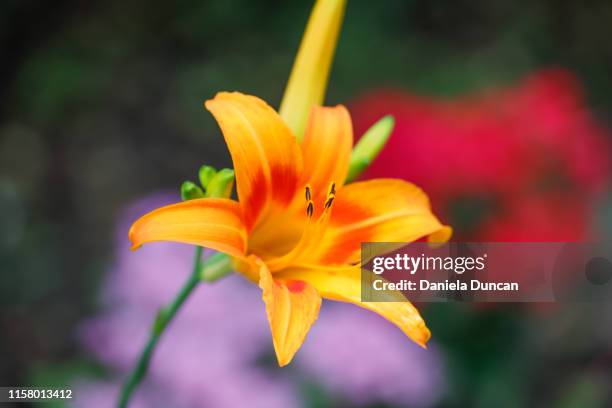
133	245
441	236
425	339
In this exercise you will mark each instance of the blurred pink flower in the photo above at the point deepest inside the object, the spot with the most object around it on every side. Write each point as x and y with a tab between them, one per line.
533	151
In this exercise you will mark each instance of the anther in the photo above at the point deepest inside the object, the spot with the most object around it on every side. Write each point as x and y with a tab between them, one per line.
332	188
308	195
329	202
310	209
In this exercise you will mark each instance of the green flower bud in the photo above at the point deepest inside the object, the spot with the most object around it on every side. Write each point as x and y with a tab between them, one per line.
369	146
206	174
190	191
221	184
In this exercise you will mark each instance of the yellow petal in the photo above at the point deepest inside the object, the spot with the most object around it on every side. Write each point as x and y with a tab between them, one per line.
209	222
266	156
441	236
344	284
292	307
308	80
327	148
381	210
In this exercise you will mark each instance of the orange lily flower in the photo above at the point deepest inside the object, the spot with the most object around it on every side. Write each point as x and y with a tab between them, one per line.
296	228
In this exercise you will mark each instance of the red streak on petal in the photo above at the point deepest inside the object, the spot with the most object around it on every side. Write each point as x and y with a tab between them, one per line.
346	212
345	245
295	286
284	183
253	204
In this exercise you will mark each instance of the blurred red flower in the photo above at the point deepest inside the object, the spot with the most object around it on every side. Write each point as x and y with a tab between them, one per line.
522	163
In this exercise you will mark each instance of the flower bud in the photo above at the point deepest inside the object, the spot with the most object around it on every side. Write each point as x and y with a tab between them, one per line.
205	175
369	146
221	184
190	191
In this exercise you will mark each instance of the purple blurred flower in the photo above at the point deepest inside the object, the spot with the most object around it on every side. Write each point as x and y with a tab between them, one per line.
105	394
364	358
208	356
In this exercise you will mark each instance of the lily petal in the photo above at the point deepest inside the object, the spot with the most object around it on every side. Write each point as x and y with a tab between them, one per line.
380	210
344	284
292	307
327	148
266	156
210	222
308	79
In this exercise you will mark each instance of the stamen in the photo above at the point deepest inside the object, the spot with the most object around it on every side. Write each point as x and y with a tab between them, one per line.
331	195
308	194
312	233
332	188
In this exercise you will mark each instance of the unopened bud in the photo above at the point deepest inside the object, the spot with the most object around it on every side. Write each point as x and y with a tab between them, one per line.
190	191
369	146
205	175
221	184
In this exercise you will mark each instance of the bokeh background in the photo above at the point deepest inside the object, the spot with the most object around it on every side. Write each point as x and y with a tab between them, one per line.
503	113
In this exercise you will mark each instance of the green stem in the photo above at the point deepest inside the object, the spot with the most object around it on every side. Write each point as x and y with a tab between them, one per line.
164	317
217	266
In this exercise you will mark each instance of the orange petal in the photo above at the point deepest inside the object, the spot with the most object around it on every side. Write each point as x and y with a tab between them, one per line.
292	307
344	284
382	210
266	156
327	148
210	222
